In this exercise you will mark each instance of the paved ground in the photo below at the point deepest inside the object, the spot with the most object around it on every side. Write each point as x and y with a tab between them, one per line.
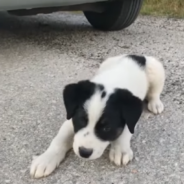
40	54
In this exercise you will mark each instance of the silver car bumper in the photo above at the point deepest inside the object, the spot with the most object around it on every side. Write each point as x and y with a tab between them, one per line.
29	4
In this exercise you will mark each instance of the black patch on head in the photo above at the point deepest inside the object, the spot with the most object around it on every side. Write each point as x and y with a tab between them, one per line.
103	94
80	119
140	60
122	108
75	95
100	87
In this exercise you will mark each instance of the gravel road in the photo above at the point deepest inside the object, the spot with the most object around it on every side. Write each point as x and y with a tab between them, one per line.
41	54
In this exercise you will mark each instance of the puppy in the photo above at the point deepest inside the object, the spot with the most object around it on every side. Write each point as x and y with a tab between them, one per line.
105	110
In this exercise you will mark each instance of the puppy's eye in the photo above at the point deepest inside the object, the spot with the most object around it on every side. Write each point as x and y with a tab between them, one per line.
107	128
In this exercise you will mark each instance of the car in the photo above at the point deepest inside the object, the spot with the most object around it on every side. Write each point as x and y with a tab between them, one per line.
106	15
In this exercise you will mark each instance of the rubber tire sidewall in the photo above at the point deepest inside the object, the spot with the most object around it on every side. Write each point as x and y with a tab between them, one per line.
119	15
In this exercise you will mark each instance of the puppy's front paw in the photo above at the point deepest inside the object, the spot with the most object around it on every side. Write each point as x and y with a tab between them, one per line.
119	157
155	106
45	164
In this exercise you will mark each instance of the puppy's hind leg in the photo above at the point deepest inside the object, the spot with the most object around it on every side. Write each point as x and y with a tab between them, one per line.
156	77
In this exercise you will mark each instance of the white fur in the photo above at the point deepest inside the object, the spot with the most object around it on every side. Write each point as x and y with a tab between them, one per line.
90	142
123	74
46	163
115	72
142	83
94	107
86	136
121	152
156	78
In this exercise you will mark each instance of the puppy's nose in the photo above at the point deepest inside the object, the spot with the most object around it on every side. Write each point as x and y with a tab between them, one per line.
84	152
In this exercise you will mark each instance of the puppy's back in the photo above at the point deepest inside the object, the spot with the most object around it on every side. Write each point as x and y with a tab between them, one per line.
125	73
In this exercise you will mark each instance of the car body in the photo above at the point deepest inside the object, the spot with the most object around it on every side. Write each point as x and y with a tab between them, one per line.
105	15
29	4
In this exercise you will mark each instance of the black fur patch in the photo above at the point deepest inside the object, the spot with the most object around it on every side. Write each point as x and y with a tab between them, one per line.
74	96
122	108
80	119
140	60
100	87
103	94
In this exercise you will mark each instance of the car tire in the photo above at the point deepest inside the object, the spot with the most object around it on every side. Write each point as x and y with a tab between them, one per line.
118	15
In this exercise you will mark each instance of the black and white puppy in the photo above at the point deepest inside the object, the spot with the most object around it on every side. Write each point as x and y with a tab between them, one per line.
105	110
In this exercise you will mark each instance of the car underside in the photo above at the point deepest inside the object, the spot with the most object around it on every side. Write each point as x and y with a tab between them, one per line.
107	15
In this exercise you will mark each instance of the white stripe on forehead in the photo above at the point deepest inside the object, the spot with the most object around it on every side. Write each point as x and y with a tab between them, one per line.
94	107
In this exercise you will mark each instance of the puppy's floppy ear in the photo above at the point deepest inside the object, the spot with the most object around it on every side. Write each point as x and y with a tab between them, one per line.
131	108
75	94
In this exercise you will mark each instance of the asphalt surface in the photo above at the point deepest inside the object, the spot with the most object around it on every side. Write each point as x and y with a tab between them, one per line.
40	54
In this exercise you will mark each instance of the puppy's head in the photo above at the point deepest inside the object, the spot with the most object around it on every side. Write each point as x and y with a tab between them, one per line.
99	116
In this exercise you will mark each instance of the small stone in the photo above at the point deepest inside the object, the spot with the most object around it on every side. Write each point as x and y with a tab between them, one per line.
134	171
